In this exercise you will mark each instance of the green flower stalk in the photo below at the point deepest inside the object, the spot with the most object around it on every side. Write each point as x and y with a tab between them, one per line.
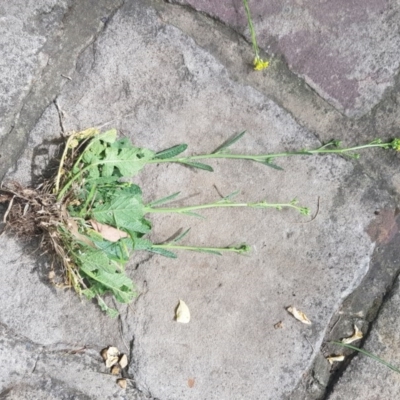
188	210
333	147
258	63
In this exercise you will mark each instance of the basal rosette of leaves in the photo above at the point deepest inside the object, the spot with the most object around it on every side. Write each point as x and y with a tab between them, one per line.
94	219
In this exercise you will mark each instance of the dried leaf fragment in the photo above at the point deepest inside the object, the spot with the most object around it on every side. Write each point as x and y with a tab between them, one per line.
299	315
108	232
122	383
104	354
357	335
123	361
191	382
333	359
115	369
278	325
110	356
182	313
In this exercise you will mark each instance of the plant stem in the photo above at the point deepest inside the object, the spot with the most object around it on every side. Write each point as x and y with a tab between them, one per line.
376	358
265	158
235	249
226	203
251	28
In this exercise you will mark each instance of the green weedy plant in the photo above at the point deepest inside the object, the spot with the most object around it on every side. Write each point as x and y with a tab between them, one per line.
94	219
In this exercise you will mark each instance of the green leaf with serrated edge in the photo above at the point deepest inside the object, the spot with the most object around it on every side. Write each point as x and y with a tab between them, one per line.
128	161
228	143
142	244
109	136
181	236
198	165
123	212
121	143
111	312
93	151
274	166
171	152
162	252
163	200
93	260
117	283
118	251
89	293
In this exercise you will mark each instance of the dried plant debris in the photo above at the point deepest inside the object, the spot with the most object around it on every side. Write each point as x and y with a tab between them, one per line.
332	359
357	335
182	313
116	362
91	218
299	315
278	325
110	356
123	361
122	382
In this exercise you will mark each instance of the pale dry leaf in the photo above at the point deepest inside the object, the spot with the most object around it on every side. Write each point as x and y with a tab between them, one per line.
182	313
73	228
112	356
123	361
278	325
333	359
115	369
122	383
108	232
299	315
104	354
357	335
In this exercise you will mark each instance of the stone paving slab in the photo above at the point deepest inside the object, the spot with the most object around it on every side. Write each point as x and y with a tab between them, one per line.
347	51
151	76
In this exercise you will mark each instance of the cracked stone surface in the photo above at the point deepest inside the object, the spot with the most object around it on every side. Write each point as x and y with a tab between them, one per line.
164	74
348	51
365	377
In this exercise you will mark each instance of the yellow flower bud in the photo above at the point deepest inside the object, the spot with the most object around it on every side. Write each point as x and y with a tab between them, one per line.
260	64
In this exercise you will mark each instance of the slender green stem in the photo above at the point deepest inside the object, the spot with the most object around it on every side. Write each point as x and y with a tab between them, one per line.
88	200
226	203
270	156
251	28
235	249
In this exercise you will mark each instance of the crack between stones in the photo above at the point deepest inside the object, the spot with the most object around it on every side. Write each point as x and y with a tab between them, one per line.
348	314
